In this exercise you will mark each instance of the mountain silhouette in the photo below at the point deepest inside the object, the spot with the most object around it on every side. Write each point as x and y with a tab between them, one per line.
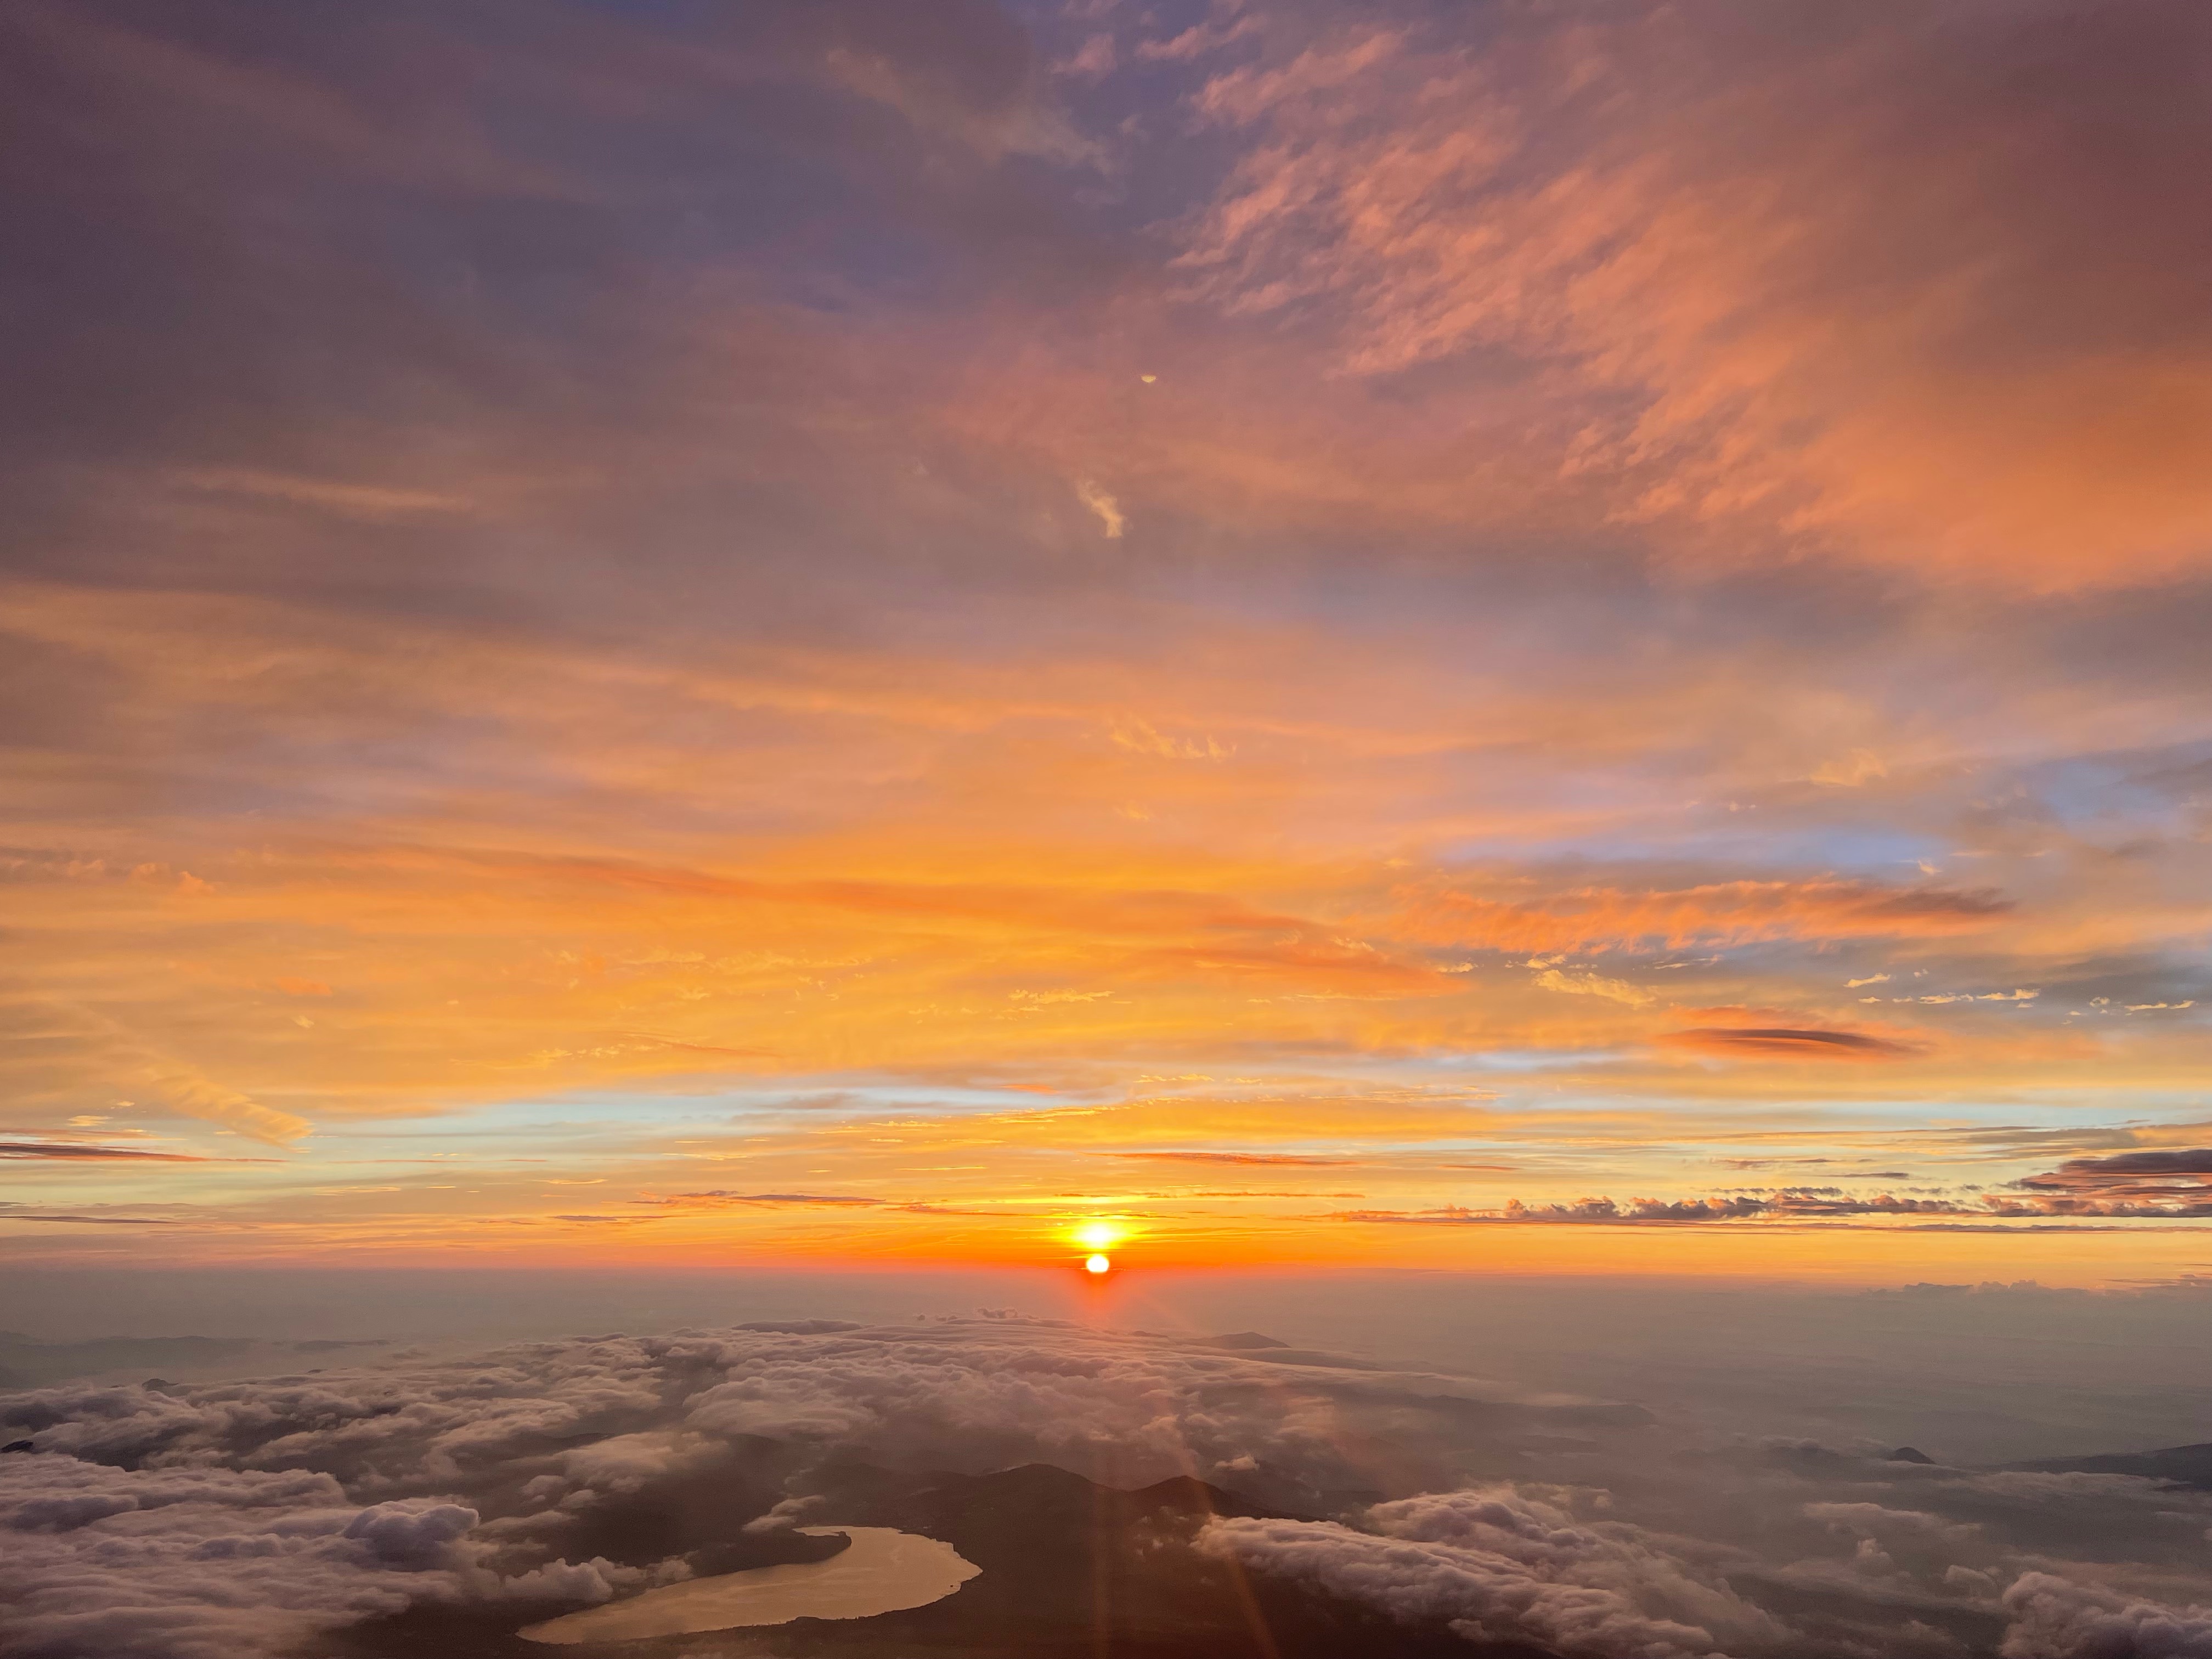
2184	1465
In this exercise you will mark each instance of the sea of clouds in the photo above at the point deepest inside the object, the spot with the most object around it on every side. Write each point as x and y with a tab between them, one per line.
240	1519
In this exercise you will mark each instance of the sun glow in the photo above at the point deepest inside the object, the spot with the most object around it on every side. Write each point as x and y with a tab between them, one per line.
1097	1235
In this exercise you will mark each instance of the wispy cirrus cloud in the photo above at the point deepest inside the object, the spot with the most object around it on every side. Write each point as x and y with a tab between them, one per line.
1261	1159
1476	582
1591	920
88	1152
1697	234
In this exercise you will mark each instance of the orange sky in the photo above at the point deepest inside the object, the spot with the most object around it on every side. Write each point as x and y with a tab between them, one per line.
1381	639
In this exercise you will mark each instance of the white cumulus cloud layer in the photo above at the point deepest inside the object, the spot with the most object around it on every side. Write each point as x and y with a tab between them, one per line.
234	1521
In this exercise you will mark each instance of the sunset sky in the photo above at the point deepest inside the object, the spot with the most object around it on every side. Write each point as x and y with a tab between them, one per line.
1561	637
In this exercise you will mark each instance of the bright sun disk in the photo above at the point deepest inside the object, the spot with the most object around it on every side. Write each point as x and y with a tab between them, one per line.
1097	1264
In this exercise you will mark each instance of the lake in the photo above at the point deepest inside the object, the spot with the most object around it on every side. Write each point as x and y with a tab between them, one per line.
883	1570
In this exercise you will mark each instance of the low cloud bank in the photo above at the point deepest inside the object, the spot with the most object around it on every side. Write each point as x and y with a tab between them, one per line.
1497	1564
213	1563
2149	1186
236	1521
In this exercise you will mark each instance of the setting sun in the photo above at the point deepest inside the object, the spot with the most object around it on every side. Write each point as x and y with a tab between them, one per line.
1097	1264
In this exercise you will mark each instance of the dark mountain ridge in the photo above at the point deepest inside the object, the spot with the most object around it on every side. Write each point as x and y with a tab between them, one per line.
1070	1569
2184	1465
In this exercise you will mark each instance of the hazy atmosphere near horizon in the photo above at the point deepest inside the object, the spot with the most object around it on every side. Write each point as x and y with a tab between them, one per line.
1106	829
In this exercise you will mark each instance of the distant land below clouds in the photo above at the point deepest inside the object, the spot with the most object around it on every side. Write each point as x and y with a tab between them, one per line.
414	1506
